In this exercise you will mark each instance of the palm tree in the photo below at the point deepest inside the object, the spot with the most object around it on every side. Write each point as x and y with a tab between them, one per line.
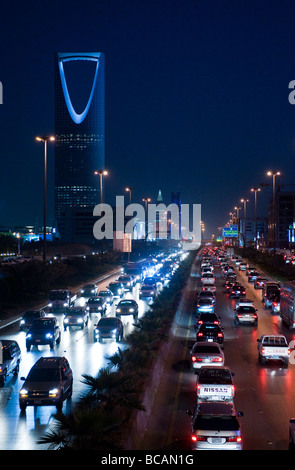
83	429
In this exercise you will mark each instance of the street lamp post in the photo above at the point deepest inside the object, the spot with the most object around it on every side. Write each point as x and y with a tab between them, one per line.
255	190
130	191
274	174
44	139
245	217
101	173
146	200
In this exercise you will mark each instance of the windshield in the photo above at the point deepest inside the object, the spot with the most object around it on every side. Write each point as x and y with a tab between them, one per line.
246	309
43	375
31	315
40	324
206	349
127	302
57	295
107	322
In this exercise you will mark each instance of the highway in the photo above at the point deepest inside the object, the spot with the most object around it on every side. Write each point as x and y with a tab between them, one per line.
264	393
20	431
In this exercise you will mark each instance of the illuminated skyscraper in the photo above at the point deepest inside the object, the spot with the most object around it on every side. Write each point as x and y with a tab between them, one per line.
80	146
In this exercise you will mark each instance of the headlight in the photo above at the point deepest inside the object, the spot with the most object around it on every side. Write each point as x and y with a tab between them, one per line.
99	307
66	320
22	322
23	393
48	335
53	392
65	304
82	290
87	308
92	291
29	335
79	320
118	310
131	310
50	305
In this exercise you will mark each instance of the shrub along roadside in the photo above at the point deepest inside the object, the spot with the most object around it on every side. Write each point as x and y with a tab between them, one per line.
117	390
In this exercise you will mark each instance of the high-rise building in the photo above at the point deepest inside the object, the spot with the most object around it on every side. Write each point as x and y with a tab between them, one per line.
79	146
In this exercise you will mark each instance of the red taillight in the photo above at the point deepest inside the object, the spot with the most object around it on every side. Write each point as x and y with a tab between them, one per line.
275	304
200	334
194	358
220	335
198	438
262	350
217	359
232	388
234	439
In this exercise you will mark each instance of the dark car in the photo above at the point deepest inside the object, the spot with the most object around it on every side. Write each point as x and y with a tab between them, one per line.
237	291
96	305
253	276
76	316
10	357
108	328
259	282
127	307
116	288
29	316
107	295
211	318
49	382
43	331
89	290
127	281
210	333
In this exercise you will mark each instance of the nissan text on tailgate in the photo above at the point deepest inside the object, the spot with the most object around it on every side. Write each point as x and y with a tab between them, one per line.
273	347
215	384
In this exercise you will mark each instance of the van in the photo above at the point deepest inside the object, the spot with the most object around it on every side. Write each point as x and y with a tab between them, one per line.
49	382
269	291
10	357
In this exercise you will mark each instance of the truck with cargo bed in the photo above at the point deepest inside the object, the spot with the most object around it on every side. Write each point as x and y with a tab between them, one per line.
215	384
273	347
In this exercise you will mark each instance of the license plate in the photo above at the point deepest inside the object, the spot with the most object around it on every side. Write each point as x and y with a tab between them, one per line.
210	340
217	440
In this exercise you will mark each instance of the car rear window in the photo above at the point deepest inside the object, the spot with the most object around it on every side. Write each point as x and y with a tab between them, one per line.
220	423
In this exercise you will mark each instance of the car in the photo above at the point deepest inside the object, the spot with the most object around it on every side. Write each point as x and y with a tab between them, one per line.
96	305
276	305
270	291
249	270
10	358
211	333
59	300
116	288
259	282
76	316
107	295
215	426
253	276
212	318
246	314
108	328
208	278
89	290
273	348
204	353
242	266
150	281
43	331
204	305
147	292
209	287
237	291
49	382
29	316
127	307
207	294
215	384
127	281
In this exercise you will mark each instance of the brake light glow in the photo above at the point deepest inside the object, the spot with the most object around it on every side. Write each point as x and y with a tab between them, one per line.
200	334
217	359
220	335
234	439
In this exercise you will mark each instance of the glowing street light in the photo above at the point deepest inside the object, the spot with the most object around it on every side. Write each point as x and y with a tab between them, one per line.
274	174
255	191
101	173
45	139
130	191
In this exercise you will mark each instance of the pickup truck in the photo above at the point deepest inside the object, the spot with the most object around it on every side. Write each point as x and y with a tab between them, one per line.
215	384
273	347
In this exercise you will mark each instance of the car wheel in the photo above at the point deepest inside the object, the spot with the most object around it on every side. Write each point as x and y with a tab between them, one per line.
23	406
16	370
51	345
3	379
28	347
59	404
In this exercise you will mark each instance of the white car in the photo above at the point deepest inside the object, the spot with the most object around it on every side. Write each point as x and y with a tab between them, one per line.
244	302
208	278
205	353
215	426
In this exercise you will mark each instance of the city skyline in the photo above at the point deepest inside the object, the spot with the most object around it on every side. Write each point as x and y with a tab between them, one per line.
196	99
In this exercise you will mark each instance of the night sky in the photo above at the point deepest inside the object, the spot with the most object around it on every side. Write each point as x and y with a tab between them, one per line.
196	99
